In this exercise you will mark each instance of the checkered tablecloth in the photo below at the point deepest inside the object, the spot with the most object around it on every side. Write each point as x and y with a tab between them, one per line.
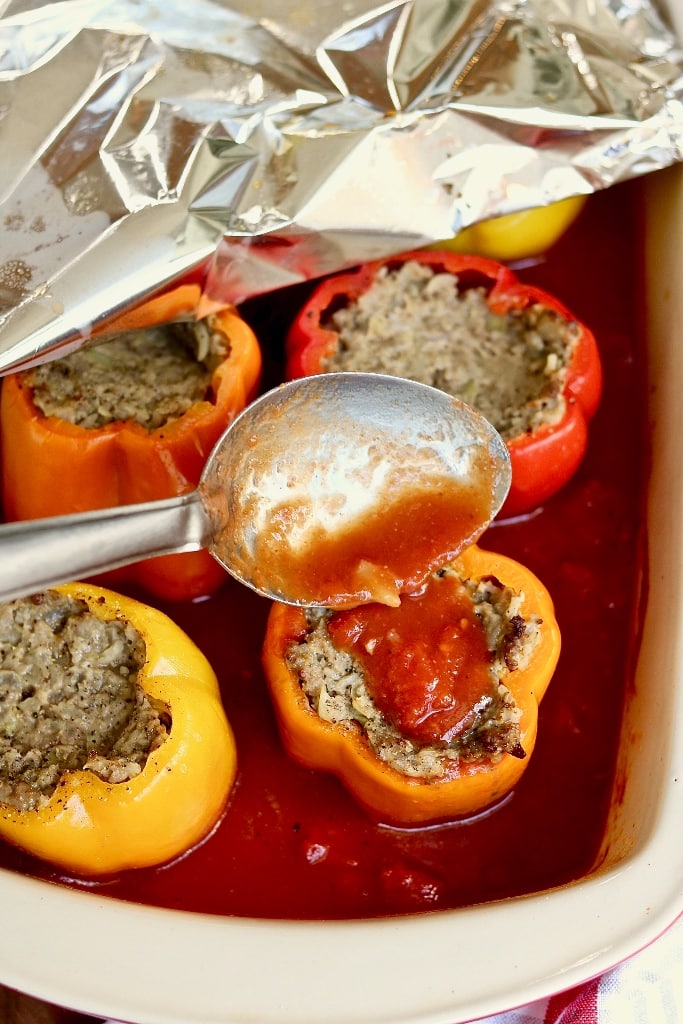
645	989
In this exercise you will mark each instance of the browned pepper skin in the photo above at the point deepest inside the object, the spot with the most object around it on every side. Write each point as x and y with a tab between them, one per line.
75	469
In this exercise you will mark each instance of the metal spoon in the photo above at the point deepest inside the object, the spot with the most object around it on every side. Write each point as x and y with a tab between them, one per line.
328	449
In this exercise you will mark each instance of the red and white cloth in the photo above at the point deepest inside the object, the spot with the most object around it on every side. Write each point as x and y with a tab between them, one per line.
645	989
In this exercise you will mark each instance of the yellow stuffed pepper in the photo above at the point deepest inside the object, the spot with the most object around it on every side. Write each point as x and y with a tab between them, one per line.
517	236
115	750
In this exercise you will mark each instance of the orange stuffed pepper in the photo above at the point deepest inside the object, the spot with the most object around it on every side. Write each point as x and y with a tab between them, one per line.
427	712
130	419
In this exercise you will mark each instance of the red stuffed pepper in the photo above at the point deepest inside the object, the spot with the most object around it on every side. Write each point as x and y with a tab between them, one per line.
469	326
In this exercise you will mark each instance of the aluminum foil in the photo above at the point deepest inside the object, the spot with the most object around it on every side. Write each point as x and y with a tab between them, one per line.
260	144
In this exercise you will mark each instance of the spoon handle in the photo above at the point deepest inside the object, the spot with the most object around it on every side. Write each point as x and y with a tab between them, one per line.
40	553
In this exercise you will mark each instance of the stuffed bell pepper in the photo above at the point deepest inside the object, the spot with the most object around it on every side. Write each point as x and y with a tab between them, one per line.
115	751
130	419
517	236
428	711
469	326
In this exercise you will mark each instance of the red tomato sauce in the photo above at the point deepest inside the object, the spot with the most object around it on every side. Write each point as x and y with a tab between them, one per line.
426	663
293	843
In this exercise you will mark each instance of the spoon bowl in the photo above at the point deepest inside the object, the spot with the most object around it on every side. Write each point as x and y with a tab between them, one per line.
302	469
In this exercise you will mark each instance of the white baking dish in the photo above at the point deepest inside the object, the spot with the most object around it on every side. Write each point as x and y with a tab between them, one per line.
140	964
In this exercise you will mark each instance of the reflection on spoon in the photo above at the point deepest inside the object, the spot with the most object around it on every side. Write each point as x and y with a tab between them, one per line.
334	490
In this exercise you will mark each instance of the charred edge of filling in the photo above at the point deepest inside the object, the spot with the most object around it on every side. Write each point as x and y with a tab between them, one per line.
69	698
417	323
334	686
151	376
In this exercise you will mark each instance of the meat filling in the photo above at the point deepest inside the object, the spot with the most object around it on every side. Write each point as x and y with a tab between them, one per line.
415	323
69	698
151	376
337	689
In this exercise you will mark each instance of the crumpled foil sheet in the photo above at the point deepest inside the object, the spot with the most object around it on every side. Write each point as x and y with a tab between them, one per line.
264	143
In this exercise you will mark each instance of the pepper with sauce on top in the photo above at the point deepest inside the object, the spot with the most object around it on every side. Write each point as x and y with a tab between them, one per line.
427	711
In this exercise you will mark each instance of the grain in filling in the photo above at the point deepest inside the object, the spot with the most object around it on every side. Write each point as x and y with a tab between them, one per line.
69	698
414	322
334	684
151	376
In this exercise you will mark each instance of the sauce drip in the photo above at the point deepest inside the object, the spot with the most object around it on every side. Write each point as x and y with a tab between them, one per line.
390	550
426	663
